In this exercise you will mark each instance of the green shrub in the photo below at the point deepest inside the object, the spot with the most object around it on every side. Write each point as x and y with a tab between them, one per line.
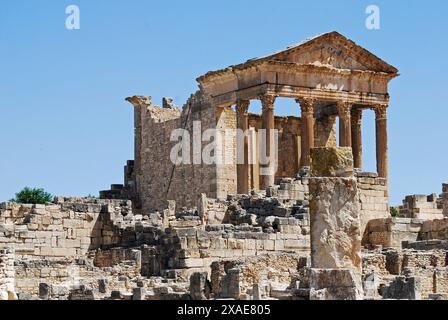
33	196
393	211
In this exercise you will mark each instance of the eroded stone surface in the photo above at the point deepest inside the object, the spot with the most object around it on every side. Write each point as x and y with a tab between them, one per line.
332	162
335	226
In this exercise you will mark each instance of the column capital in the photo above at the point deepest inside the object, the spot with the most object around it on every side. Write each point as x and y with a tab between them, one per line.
356	115
344	108
306	104
242	106
380	111
267	101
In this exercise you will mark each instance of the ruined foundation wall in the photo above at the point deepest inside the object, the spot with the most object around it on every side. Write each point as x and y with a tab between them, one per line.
61	229
238	278
193	247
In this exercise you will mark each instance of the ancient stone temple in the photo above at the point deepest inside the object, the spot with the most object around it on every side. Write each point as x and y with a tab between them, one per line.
328	76
203	215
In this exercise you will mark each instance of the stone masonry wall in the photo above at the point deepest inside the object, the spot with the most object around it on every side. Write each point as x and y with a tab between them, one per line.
66	228
422	207
391	232
7	274
157	178
434	229
373	197
226	178
238	278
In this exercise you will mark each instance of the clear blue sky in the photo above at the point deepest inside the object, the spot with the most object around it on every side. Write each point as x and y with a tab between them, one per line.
66	127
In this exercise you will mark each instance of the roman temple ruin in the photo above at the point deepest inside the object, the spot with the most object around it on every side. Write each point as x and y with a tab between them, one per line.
222	203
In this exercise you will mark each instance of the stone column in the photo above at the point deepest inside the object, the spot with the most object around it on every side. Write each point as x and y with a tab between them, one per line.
345	135
381	140
336	263
356	119
267	102
243	168
307	136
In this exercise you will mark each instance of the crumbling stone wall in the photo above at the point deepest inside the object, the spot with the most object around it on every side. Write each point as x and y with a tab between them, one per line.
422	207
373	197
7	274
391	232
69	227
157	179
192	247
434	229
374	263
268	274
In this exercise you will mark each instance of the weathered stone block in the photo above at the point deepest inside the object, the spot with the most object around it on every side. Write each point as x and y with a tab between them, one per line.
335	224
332	162
335	284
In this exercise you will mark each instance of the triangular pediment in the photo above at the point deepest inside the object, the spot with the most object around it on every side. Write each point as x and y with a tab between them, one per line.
333	50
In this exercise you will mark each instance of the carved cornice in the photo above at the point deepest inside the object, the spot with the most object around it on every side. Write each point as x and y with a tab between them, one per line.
306	104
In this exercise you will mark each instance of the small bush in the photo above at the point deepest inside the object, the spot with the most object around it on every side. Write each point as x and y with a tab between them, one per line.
393	212
32	196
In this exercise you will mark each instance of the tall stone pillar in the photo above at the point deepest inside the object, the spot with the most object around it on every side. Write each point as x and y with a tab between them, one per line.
356	119
243	167
307	136
381	140
267	102
335	227
345	135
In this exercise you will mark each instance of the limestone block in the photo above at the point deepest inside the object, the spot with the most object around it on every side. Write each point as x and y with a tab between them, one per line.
332	162
279	245
403	288
335	284
335	223
191	263
269	245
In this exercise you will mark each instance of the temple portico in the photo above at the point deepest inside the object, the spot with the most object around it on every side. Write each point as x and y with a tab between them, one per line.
314	111
329	77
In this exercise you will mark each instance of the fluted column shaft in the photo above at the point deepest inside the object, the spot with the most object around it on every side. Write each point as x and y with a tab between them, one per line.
268	123
381	140
345	135
307	134
356	119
